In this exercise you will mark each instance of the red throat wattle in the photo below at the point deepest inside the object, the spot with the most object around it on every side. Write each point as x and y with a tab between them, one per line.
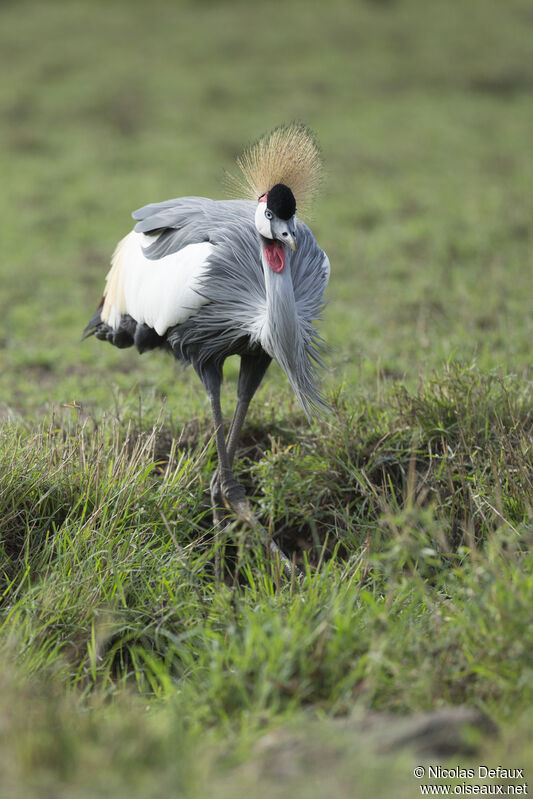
275	255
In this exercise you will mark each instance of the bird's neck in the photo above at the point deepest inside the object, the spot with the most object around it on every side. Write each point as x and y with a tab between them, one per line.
281	330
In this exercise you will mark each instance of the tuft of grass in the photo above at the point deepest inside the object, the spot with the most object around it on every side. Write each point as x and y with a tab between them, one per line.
410	519
454	456
107	552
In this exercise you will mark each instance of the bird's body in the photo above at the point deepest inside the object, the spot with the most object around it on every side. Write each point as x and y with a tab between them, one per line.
207	279
189	278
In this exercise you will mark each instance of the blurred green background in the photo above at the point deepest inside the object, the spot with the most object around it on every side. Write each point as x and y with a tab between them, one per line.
424	113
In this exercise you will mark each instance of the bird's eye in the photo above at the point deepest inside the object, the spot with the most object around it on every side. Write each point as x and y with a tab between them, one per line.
268	214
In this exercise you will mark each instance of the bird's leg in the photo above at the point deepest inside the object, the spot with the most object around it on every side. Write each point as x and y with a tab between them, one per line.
234	434
230	490
231	446
219	485
217	492
252	371
211	375
224	485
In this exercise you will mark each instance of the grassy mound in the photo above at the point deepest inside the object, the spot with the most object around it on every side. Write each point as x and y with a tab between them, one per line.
410	519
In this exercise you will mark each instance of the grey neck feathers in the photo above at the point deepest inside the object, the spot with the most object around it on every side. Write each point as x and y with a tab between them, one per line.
282	335
281	321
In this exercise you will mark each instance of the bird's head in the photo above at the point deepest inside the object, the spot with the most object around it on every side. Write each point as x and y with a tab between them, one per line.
275	219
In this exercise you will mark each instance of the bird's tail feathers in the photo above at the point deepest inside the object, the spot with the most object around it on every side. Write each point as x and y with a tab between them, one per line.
93	323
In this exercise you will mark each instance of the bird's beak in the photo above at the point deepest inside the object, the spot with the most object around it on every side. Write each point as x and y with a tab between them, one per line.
285	232
290	241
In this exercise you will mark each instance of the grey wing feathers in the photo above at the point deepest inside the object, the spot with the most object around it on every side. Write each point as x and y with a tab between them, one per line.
189	220
170	213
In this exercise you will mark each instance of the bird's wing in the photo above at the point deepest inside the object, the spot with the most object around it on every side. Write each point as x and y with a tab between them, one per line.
158	270
158	293
189	220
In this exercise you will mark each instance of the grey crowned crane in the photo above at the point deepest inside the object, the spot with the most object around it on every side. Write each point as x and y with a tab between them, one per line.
206	279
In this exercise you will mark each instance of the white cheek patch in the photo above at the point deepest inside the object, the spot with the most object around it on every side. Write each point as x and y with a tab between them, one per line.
261	222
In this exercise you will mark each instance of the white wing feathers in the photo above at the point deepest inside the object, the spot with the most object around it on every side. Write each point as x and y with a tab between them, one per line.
159	293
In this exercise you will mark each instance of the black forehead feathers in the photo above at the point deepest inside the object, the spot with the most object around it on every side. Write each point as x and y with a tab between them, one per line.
280	200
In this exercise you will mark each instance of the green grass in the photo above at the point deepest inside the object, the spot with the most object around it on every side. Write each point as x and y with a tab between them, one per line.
127	669
413	529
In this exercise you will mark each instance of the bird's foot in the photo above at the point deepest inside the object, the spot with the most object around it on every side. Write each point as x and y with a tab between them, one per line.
235	498
228	493
231	494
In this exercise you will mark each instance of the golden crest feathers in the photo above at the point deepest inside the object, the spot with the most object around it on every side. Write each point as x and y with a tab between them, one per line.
289	155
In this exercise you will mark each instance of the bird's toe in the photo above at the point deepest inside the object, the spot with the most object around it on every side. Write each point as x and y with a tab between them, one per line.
235	497
216	492
217	500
